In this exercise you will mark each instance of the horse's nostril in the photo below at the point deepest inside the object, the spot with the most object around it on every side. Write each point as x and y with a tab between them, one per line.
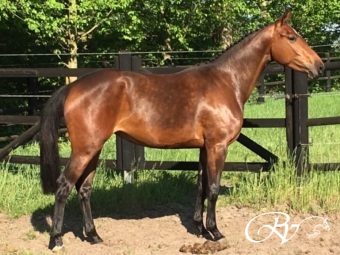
321	68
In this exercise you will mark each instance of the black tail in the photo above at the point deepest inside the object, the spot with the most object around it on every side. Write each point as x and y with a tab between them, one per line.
49	152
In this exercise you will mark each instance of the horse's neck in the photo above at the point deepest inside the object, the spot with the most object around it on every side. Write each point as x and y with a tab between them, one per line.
244	64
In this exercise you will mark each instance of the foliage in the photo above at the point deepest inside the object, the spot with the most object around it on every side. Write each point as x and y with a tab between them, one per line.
64	26
317	21
114	25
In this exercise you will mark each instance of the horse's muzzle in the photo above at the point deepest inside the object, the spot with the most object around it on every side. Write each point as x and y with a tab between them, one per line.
317	70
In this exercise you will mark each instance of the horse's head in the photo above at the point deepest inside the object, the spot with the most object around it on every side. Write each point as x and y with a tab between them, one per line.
290	49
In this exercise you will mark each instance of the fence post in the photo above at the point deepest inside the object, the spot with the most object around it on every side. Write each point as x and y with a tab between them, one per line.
289	111
300	117
129	155
32	88
328	75
260	99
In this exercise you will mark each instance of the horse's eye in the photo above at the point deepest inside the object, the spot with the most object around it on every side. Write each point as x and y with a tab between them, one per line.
292	38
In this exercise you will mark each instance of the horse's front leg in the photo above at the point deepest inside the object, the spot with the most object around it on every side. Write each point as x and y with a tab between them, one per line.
201	193
216	155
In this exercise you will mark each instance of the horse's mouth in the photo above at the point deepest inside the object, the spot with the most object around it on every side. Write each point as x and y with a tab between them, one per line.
316	70
312	75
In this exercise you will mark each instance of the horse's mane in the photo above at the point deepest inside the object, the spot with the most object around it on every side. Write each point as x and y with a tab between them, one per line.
234	46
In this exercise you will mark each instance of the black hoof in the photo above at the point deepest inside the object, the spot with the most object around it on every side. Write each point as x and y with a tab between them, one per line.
96	239
93	237
58	248
218	236
56	243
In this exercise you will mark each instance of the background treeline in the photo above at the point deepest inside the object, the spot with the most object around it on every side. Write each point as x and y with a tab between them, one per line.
104	26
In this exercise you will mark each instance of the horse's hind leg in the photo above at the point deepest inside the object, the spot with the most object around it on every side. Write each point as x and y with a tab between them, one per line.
74	169
84	189
62	193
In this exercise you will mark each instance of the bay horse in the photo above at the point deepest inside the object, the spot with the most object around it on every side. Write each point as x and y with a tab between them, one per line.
199	107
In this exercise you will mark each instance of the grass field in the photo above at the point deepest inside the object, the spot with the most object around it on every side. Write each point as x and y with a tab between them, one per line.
317	192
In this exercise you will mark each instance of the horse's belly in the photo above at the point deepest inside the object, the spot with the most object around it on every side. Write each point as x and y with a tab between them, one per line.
162	138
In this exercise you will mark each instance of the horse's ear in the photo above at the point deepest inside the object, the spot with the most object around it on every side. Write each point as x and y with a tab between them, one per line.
284	18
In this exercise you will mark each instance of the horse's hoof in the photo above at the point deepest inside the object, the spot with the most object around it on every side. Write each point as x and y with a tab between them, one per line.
217	236
56	243
58	248
221	240
224	242
96	239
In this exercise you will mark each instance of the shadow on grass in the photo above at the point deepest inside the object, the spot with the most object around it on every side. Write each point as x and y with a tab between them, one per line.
167	195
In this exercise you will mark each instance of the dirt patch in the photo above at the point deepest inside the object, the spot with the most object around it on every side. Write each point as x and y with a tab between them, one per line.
160	233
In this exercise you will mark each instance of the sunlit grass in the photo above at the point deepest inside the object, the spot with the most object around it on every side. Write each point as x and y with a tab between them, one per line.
20	190
317	192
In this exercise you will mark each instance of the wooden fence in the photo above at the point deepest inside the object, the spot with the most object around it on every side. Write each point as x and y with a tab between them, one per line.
130	156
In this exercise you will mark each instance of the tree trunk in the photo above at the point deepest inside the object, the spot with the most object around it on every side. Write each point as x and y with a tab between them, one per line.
72	40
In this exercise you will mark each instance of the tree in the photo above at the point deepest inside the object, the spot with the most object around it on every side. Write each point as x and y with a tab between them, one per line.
70	26
65	26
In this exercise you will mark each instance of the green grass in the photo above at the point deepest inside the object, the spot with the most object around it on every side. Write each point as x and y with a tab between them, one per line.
20	190
110	195
316	192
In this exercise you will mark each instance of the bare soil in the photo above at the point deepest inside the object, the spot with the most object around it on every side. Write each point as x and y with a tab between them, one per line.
167	230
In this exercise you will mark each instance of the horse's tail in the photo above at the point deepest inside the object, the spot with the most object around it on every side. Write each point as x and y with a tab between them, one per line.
49	152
